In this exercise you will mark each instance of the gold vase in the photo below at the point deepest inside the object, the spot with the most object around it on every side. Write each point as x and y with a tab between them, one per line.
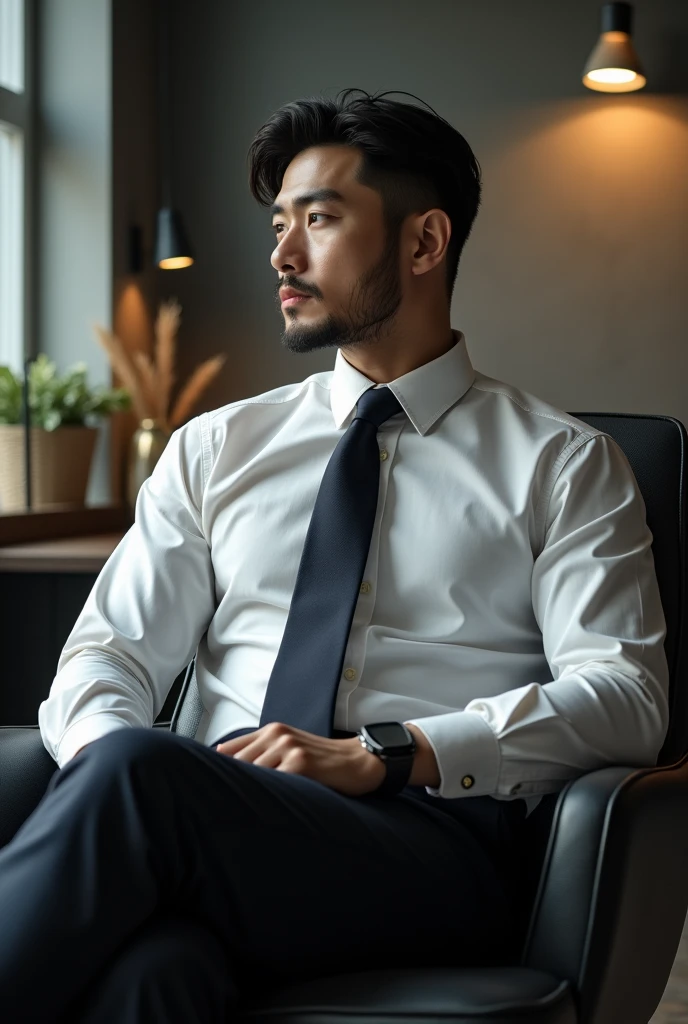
147	445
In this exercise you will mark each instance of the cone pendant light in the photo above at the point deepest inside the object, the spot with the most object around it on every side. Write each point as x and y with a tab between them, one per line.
613	65
172	249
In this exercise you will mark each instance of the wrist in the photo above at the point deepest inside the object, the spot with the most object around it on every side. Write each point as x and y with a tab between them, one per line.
371	768
425	770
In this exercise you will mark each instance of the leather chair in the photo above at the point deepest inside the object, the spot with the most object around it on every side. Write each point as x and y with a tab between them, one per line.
610	851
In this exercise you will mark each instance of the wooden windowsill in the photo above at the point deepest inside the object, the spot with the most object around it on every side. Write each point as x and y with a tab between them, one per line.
66	554
62	521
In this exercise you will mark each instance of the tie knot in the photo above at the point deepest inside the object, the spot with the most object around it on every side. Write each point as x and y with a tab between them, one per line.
376	405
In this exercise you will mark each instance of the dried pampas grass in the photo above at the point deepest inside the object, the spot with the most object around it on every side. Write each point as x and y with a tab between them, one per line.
149	384
122	364
198	382
166	328
150	381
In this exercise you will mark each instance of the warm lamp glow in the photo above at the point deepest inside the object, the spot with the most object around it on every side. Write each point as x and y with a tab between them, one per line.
175	263
614	80
613	65
617	75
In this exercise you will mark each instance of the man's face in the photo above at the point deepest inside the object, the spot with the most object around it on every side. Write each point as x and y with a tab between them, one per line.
336	251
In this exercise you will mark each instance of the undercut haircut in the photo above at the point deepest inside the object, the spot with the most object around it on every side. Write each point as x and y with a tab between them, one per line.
415	159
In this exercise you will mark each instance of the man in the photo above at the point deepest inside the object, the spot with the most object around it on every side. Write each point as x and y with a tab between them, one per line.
401	551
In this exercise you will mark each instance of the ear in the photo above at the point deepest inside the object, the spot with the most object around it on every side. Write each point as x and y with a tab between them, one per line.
430	234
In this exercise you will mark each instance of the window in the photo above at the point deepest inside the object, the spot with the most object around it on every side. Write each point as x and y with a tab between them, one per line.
16	146
11	246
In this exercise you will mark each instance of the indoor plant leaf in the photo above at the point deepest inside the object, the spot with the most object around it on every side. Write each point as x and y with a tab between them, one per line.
56	400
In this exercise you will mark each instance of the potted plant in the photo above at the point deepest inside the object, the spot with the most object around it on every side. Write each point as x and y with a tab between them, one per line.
64	413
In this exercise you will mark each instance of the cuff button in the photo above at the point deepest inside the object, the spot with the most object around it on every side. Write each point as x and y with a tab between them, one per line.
467	781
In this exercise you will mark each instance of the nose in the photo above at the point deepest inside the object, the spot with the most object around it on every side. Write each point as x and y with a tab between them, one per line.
288	256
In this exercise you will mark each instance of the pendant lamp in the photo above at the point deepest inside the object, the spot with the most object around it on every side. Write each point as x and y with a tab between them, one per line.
172	249
613	65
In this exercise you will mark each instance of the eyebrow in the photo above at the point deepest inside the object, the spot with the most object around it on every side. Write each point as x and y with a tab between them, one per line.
318	195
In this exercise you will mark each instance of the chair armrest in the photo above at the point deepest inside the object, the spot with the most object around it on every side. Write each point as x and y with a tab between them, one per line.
613	892
26	768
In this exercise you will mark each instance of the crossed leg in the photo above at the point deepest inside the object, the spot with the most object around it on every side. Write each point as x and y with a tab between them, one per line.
259	874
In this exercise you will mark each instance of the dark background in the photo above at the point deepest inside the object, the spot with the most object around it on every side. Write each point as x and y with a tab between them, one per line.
572	284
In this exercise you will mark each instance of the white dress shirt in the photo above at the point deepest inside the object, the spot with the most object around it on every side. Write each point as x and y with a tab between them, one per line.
509	605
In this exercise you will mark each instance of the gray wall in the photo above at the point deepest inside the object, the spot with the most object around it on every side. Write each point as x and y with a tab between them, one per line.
135	188
573	283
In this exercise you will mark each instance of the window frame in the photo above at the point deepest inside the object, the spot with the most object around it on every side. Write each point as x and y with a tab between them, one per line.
20	111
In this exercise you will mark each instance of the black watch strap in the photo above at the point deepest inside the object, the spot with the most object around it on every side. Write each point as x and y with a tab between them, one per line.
398	774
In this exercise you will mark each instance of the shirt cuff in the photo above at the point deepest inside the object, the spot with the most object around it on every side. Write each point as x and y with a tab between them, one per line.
87	729
467	753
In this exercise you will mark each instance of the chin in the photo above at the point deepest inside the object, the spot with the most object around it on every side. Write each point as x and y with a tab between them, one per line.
293	312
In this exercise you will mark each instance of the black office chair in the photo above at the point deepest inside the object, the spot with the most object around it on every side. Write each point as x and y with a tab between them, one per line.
611	888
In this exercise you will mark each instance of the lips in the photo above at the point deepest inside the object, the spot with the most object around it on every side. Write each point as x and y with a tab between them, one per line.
293	300
287	292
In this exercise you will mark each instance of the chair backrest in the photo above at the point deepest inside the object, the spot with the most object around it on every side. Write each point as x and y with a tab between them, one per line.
656	448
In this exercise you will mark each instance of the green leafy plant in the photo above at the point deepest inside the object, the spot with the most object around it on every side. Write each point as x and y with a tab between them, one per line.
56	401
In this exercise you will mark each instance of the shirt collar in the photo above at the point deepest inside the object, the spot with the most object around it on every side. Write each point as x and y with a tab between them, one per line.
424	393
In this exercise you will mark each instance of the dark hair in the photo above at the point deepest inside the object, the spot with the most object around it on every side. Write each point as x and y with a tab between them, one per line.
415	159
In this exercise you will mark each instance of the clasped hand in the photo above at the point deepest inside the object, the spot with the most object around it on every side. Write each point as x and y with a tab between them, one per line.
344	765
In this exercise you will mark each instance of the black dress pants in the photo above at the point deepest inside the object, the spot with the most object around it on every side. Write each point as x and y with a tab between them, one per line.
161	881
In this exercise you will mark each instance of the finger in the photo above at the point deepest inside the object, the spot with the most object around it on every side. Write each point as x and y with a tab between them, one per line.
270	758
265	732
230	745
249	751
296	762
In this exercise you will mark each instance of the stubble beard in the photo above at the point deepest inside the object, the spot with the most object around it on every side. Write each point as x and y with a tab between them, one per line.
372	307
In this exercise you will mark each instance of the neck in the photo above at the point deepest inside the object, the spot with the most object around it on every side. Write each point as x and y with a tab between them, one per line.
400	352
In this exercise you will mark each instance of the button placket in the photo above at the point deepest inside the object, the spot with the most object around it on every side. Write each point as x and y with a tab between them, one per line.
352	669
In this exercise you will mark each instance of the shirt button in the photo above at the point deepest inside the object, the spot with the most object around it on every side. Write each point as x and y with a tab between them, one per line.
350	673
383	454
467	781
365	587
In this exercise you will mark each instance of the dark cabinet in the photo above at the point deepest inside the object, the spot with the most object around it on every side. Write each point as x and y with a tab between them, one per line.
37	613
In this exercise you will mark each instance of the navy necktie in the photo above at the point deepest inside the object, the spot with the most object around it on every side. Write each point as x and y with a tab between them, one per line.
302	689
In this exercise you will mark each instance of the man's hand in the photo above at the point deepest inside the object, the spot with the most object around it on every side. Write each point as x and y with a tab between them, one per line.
344	765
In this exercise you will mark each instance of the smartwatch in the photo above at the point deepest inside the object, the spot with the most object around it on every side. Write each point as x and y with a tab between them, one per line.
395	745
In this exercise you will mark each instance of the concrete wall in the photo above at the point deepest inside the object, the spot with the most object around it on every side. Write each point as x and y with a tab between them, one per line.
573	283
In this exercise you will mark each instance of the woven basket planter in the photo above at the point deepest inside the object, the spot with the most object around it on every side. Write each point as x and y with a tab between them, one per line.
60	466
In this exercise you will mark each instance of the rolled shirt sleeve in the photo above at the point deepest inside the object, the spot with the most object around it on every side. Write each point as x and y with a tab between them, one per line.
596	600
147	610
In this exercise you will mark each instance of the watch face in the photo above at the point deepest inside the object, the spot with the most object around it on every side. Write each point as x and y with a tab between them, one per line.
388	734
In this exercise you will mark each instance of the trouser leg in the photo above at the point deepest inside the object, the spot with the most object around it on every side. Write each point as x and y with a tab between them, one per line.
295	879
172	970
84	871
